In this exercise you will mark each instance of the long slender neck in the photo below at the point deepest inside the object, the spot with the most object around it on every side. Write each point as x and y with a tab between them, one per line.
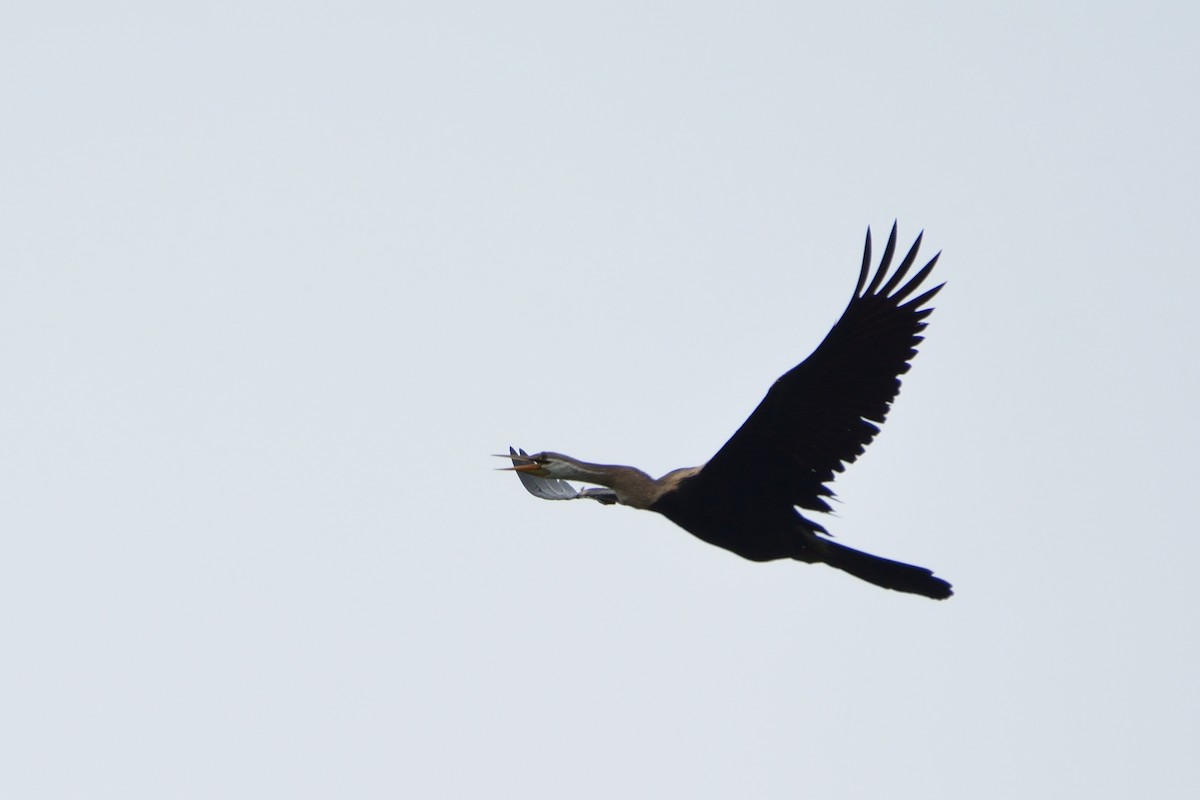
633	487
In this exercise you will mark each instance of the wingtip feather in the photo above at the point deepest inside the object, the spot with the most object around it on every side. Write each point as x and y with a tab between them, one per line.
885	262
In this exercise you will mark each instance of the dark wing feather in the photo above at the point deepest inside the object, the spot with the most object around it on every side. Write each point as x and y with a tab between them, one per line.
821	414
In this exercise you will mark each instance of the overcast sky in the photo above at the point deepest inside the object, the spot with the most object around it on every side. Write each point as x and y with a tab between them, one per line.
277	278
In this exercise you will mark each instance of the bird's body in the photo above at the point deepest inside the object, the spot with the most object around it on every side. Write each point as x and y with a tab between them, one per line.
815	419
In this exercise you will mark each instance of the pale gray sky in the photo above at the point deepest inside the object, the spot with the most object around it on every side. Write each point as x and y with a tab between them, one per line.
276	278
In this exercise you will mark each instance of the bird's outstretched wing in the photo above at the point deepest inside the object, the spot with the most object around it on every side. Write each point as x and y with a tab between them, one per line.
554	489
821	414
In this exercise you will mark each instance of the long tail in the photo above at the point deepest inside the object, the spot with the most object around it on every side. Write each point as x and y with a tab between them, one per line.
884	572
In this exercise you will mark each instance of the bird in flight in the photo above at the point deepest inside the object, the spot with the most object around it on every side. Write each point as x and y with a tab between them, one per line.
817	418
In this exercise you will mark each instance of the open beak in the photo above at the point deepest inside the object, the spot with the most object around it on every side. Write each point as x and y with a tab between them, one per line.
530	464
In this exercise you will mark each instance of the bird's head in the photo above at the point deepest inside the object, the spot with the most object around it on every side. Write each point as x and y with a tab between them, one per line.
546	475
544	465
